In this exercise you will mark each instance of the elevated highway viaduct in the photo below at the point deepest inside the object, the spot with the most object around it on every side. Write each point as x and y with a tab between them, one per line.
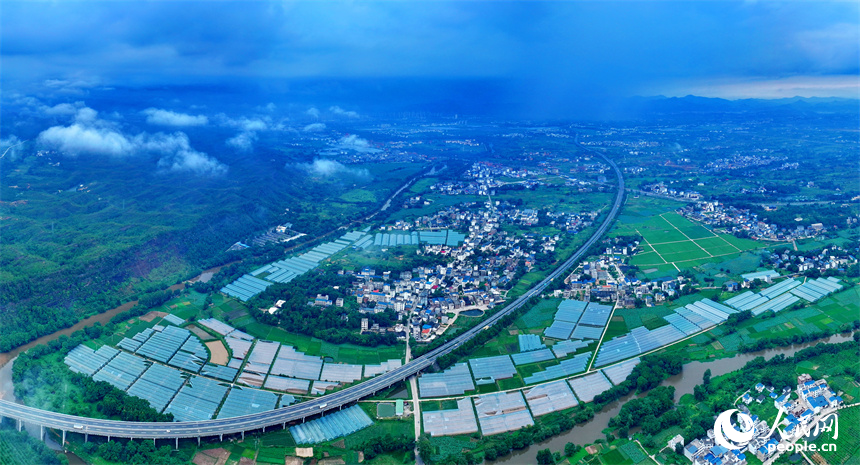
304	410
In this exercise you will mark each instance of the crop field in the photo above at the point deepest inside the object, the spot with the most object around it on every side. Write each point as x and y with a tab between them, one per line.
670	240
538	317
847	447
828	313
345	353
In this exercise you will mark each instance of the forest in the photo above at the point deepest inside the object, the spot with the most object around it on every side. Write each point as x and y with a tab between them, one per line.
71	253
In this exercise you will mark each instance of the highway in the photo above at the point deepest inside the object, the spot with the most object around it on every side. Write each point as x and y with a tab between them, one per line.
298	412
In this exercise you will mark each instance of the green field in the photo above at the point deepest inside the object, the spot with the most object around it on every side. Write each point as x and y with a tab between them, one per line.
672	243
847	446
671	239
828	313
345	353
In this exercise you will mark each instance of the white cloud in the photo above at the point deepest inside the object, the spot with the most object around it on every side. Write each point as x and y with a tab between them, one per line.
89	135
180	157
172	118
86	115
61	109
11	147
269	107
314	127
331	168
244	123
353	142
78	138
244	141
313	112
336	110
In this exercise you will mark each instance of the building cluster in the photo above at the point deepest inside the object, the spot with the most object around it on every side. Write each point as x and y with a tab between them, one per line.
742	161
814	402
830	258
735	220
424	297
477	273
660	188
609	279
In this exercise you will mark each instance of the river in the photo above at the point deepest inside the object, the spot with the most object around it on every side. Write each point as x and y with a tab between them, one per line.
683	383
102	318
7	388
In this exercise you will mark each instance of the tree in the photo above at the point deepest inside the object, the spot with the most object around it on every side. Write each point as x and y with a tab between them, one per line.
425	449
570	449
679	448
706	378
544	457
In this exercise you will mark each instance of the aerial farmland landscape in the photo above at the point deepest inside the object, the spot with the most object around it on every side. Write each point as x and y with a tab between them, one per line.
430	232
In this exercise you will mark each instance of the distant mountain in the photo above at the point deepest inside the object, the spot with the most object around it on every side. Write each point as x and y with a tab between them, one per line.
691	104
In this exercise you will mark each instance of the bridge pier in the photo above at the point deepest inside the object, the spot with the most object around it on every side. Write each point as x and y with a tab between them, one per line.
64	440
177	444
198	441
86	437
243	435
41	433
221	437
19	424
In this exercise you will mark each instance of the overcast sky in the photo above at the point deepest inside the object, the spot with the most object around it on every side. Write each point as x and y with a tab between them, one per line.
732	49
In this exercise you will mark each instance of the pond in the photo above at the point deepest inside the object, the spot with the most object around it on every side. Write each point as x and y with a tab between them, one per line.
473	312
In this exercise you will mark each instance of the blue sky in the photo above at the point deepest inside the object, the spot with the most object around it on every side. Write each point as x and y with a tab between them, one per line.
545	51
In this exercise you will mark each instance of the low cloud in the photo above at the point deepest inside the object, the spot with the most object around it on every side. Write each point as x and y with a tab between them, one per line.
78	139
313	112
61	109
244	141
86	115
161	117
11	147
353	142
314	127
269	107
330	168
180	157
89	135
338	111
244	123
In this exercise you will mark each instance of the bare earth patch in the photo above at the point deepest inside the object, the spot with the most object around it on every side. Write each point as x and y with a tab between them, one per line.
152	315
199	332
305	451
219	455
337	461
218	351
293	461
650	270
514	332
717	345
202	459
246	461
